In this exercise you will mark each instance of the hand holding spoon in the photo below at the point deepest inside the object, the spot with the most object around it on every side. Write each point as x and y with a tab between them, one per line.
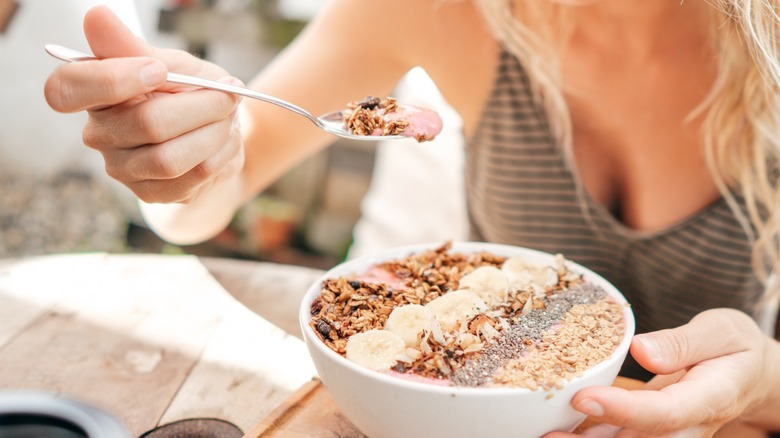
332	122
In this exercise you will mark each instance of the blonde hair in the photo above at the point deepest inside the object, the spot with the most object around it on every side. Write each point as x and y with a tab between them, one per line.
741	115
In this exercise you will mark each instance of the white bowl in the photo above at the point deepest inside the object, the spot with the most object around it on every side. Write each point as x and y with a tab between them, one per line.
383	406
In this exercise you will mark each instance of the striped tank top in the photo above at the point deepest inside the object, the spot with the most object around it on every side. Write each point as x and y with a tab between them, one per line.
521	191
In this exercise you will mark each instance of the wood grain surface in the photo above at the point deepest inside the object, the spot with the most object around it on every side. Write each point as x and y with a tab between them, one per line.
150	339
311	412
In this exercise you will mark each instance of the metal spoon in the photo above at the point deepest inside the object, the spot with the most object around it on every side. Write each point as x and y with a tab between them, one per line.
332	123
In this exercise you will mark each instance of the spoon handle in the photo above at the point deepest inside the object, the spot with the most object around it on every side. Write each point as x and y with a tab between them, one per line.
70	55
242	91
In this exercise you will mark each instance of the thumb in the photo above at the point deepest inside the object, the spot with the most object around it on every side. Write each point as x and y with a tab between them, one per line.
108	37
709	335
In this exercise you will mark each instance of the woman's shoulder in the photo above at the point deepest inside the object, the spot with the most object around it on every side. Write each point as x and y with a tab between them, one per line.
422	29
385	38
465	58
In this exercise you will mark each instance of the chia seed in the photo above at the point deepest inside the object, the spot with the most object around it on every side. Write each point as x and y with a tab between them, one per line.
511	343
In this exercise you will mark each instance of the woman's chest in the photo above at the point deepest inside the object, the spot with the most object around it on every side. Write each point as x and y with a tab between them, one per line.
521	190
637	140
637	143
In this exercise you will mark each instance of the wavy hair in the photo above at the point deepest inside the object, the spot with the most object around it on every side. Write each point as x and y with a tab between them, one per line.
741	114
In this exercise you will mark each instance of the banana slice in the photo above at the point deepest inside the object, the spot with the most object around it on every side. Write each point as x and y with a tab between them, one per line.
521	273
375	349
488	282
409	321
456	306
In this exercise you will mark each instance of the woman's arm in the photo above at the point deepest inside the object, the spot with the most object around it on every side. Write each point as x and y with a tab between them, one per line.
190	149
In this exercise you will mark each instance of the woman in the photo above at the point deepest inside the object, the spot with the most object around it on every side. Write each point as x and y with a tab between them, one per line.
638	138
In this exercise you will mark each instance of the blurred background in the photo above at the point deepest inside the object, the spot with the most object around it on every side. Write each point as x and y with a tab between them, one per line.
353	198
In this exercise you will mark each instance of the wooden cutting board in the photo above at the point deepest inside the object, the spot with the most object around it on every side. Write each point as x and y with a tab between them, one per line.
311	413
308	412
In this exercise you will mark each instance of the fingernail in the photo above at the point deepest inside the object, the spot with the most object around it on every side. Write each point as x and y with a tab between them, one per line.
590	407
650	345
153	74
232	81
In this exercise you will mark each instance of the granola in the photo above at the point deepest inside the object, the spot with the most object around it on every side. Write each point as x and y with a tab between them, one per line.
367	117
373	116
538	328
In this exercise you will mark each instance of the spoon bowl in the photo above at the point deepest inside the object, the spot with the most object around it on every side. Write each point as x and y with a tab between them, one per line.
332	122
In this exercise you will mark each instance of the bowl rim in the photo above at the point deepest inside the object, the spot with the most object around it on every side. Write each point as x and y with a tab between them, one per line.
313	341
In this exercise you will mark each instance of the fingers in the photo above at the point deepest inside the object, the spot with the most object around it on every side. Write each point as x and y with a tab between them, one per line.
669	351
597	431
90	84
705	368
156	120
224	162
168	160
707	396
558	434
636	409
135	68
661	381
128	68
108	36
166	142
167	148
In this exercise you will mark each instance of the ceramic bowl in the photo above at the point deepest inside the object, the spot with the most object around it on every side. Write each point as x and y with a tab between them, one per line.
383	406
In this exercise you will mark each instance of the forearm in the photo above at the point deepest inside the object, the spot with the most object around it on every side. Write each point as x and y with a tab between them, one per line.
276	139
198	220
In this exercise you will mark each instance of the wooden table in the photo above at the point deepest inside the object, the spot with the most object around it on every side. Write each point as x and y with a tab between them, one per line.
153	339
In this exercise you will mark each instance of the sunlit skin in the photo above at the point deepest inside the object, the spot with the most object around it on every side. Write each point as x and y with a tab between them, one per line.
632	72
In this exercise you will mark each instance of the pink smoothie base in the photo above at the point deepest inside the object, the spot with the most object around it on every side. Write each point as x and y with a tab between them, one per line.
424	124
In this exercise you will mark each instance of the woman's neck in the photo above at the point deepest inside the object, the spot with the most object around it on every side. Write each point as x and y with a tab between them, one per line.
640	27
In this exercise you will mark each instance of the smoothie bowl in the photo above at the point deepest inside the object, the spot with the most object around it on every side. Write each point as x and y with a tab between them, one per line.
464	339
